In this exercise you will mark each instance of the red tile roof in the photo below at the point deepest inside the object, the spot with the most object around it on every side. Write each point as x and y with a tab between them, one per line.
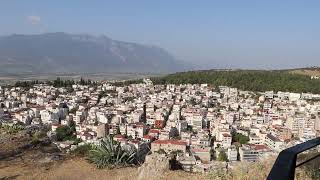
226	135
139	124
119	136
154	131
121	140
147	137
135	141
170	141
261	147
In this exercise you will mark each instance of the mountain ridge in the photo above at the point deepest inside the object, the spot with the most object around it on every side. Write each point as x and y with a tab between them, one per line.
61	52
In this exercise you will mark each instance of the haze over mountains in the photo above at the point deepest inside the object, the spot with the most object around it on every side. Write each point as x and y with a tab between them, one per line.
70	53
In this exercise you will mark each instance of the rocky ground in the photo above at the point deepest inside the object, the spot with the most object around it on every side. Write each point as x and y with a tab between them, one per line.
75	169
20	160
12	143
78	168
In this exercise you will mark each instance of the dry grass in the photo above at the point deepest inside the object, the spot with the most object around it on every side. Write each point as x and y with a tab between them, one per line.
69	169
77	168
308	72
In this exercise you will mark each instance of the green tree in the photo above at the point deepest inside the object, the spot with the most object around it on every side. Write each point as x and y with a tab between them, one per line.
66	132
222	156
237	137
246	79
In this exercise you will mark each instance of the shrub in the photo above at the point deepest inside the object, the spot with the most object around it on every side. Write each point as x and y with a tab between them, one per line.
109	154
222	156
66	132
36	136
83	150
12	129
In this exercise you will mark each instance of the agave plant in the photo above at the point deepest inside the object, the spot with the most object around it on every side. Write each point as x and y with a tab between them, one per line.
109	154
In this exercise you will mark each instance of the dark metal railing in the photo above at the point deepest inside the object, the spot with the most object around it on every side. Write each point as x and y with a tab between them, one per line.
286	163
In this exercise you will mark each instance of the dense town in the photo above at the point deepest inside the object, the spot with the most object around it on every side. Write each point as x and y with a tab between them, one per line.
202	124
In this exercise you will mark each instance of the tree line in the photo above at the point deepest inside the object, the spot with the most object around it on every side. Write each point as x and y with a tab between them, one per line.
257	81
56	83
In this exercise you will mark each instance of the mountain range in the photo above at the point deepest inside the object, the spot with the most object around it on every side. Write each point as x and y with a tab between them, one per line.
77	53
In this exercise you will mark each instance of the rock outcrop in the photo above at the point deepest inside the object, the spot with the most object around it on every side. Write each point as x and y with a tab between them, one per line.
154	167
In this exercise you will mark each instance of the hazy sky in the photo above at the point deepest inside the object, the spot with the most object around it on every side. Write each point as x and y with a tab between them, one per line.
215	34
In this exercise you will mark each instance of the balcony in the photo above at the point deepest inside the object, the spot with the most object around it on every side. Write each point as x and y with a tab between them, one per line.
286	163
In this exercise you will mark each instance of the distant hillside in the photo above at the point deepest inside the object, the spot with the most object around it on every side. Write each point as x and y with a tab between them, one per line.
312	71
69	53
253	80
